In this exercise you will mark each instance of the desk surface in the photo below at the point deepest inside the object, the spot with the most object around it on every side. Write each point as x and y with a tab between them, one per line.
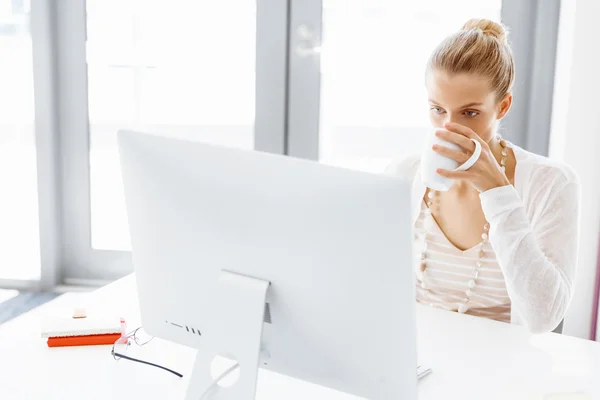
471	358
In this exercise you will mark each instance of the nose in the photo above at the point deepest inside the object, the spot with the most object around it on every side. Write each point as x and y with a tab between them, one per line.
451	117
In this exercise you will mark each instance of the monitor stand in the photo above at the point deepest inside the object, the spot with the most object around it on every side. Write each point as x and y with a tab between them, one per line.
236	324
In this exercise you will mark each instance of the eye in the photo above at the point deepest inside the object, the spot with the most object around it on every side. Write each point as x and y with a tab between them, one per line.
471	114
437	110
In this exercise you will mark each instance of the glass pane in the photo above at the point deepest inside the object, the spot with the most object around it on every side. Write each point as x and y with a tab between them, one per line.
373	100
182	68
19	227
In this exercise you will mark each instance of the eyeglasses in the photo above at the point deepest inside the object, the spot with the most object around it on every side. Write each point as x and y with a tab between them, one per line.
140	338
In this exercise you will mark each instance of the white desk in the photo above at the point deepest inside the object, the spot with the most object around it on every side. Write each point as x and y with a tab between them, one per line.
472	358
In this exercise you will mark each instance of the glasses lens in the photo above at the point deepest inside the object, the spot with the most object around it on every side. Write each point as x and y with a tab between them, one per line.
141	337
120	347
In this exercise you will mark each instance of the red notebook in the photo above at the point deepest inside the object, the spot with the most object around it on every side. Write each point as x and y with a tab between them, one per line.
87	340
67	331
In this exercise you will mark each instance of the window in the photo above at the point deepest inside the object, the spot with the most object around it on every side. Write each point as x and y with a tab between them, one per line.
373	100
19	226
182	68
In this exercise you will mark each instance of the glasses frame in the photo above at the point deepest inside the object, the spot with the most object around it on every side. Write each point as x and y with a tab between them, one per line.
130	338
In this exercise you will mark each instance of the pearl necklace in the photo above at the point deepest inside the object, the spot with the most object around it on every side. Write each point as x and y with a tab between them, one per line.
472	283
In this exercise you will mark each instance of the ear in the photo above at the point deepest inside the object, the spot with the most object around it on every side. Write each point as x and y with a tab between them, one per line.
504	105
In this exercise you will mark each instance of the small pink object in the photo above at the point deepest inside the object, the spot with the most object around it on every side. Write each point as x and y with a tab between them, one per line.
123	330
123	339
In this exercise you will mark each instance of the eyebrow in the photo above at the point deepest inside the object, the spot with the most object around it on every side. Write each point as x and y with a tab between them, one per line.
465	106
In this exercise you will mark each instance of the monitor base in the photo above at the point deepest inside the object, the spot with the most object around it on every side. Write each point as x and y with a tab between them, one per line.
236	324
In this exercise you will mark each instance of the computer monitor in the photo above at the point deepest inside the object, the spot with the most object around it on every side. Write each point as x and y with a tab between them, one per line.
280	263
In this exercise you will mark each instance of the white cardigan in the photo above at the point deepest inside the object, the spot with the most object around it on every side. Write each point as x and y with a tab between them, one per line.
534	228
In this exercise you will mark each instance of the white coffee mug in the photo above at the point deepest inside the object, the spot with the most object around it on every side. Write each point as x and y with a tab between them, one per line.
431	161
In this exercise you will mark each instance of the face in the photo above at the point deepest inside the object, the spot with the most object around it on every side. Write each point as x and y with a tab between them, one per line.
465	99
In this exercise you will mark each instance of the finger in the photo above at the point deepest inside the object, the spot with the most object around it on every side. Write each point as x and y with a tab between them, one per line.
456	138
462	130
459	175
459	156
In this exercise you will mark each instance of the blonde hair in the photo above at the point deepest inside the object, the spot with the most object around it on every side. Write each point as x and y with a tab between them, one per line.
481	48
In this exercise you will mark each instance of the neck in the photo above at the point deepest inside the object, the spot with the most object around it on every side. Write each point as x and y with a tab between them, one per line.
496	148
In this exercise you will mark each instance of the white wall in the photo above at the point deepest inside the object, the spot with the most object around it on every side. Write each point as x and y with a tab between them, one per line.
575	139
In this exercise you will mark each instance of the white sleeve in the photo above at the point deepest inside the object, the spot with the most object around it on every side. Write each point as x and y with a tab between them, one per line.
538	260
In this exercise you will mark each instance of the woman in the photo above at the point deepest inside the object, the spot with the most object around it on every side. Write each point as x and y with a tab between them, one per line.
502	242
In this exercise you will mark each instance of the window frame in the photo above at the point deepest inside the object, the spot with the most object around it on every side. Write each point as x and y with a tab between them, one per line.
84	265
46	137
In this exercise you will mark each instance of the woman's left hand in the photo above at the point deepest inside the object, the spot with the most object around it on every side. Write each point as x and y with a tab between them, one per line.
485	174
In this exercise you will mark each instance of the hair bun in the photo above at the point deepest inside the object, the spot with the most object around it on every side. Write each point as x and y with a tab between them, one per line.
488	27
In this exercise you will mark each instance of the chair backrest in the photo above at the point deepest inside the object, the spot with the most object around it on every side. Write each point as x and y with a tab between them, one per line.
559	328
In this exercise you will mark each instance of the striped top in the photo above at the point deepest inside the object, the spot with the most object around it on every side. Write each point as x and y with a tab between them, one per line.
450	269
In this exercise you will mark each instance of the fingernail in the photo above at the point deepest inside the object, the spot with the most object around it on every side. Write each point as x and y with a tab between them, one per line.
435	147
438	134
